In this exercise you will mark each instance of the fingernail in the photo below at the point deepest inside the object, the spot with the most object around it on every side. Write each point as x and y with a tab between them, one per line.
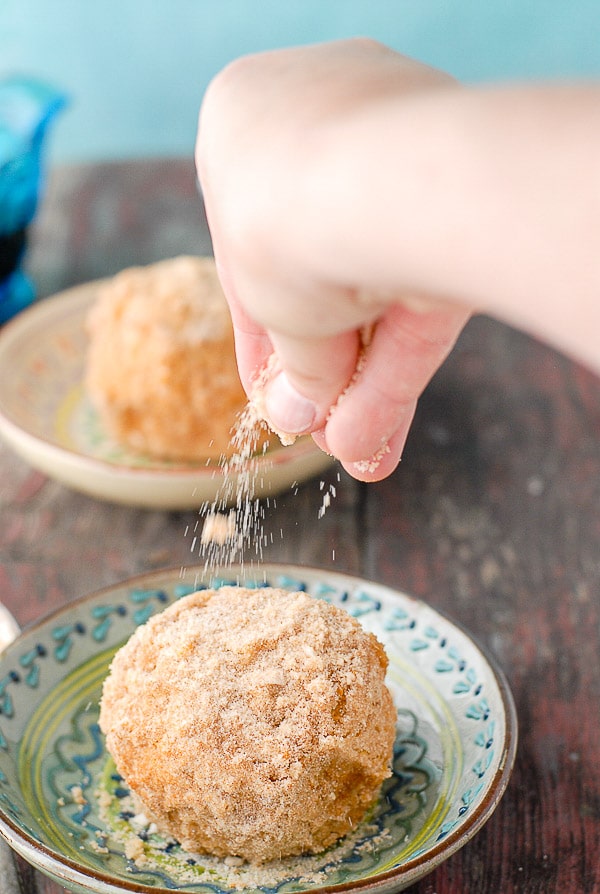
286	409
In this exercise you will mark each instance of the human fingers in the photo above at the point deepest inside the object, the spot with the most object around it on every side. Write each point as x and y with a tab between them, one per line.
295	372
381	464
367	427
293	381
385	461
311	374
253	347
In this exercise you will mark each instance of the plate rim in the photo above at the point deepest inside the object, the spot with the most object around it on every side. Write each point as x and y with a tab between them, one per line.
414	868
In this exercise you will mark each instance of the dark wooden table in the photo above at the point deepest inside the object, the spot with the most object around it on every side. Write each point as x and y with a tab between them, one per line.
493	517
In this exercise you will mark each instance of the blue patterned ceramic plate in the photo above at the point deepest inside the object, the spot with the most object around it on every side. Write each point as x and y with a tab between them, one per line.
46	418
64	809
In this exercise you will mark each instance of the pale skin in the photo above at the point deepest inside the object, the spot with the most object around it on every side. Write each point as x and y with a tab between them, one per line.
349	187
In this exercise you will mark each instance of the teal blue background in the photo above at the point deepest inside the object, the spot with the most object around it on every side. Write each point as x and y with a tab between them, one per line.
136	70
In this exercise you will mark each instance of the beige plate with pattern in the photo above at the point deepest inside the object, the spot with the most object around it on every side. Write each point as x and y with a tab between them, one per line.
46	418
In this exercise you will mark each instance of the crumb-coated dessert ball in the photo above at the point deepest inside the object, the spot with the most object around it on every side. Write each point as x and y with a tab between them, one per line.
160	365
251	722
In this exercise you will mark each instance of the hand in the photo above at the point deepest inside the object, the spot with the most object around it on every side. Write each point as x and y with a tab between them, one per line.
264	124
347	187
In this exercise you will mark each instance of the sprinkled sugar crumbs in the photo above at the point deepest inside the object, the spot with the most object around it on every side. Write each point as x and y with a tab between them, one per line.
234	535
147	848
372	464
230	535
219	528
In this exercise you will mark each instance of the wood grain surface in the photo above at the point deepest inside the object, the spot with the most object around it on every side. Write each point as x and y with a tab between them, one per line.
493	517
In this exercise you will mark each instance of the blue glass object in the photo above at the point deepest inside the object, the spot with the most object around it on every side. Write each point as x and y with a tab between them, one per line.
27	106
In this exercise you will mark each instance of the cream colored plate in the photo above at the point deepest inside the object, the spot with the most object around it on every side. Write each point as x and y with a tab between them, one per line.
47	419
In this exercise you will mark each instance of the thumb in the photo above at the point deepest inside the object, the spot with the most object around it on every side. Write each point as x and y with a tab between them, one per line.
308	377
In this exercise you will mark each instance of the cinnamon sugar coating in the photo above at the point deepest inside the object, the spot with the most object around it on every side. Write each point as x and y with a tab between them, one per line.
251	722
160	366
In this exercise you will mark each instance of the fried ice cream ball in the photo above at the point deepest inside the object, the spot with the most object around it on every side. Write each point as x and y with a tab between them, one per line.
160	365
253	723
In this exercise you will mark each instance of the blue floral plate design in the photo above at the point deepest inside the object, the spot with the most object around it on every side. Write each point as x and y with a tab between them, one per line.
65	809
